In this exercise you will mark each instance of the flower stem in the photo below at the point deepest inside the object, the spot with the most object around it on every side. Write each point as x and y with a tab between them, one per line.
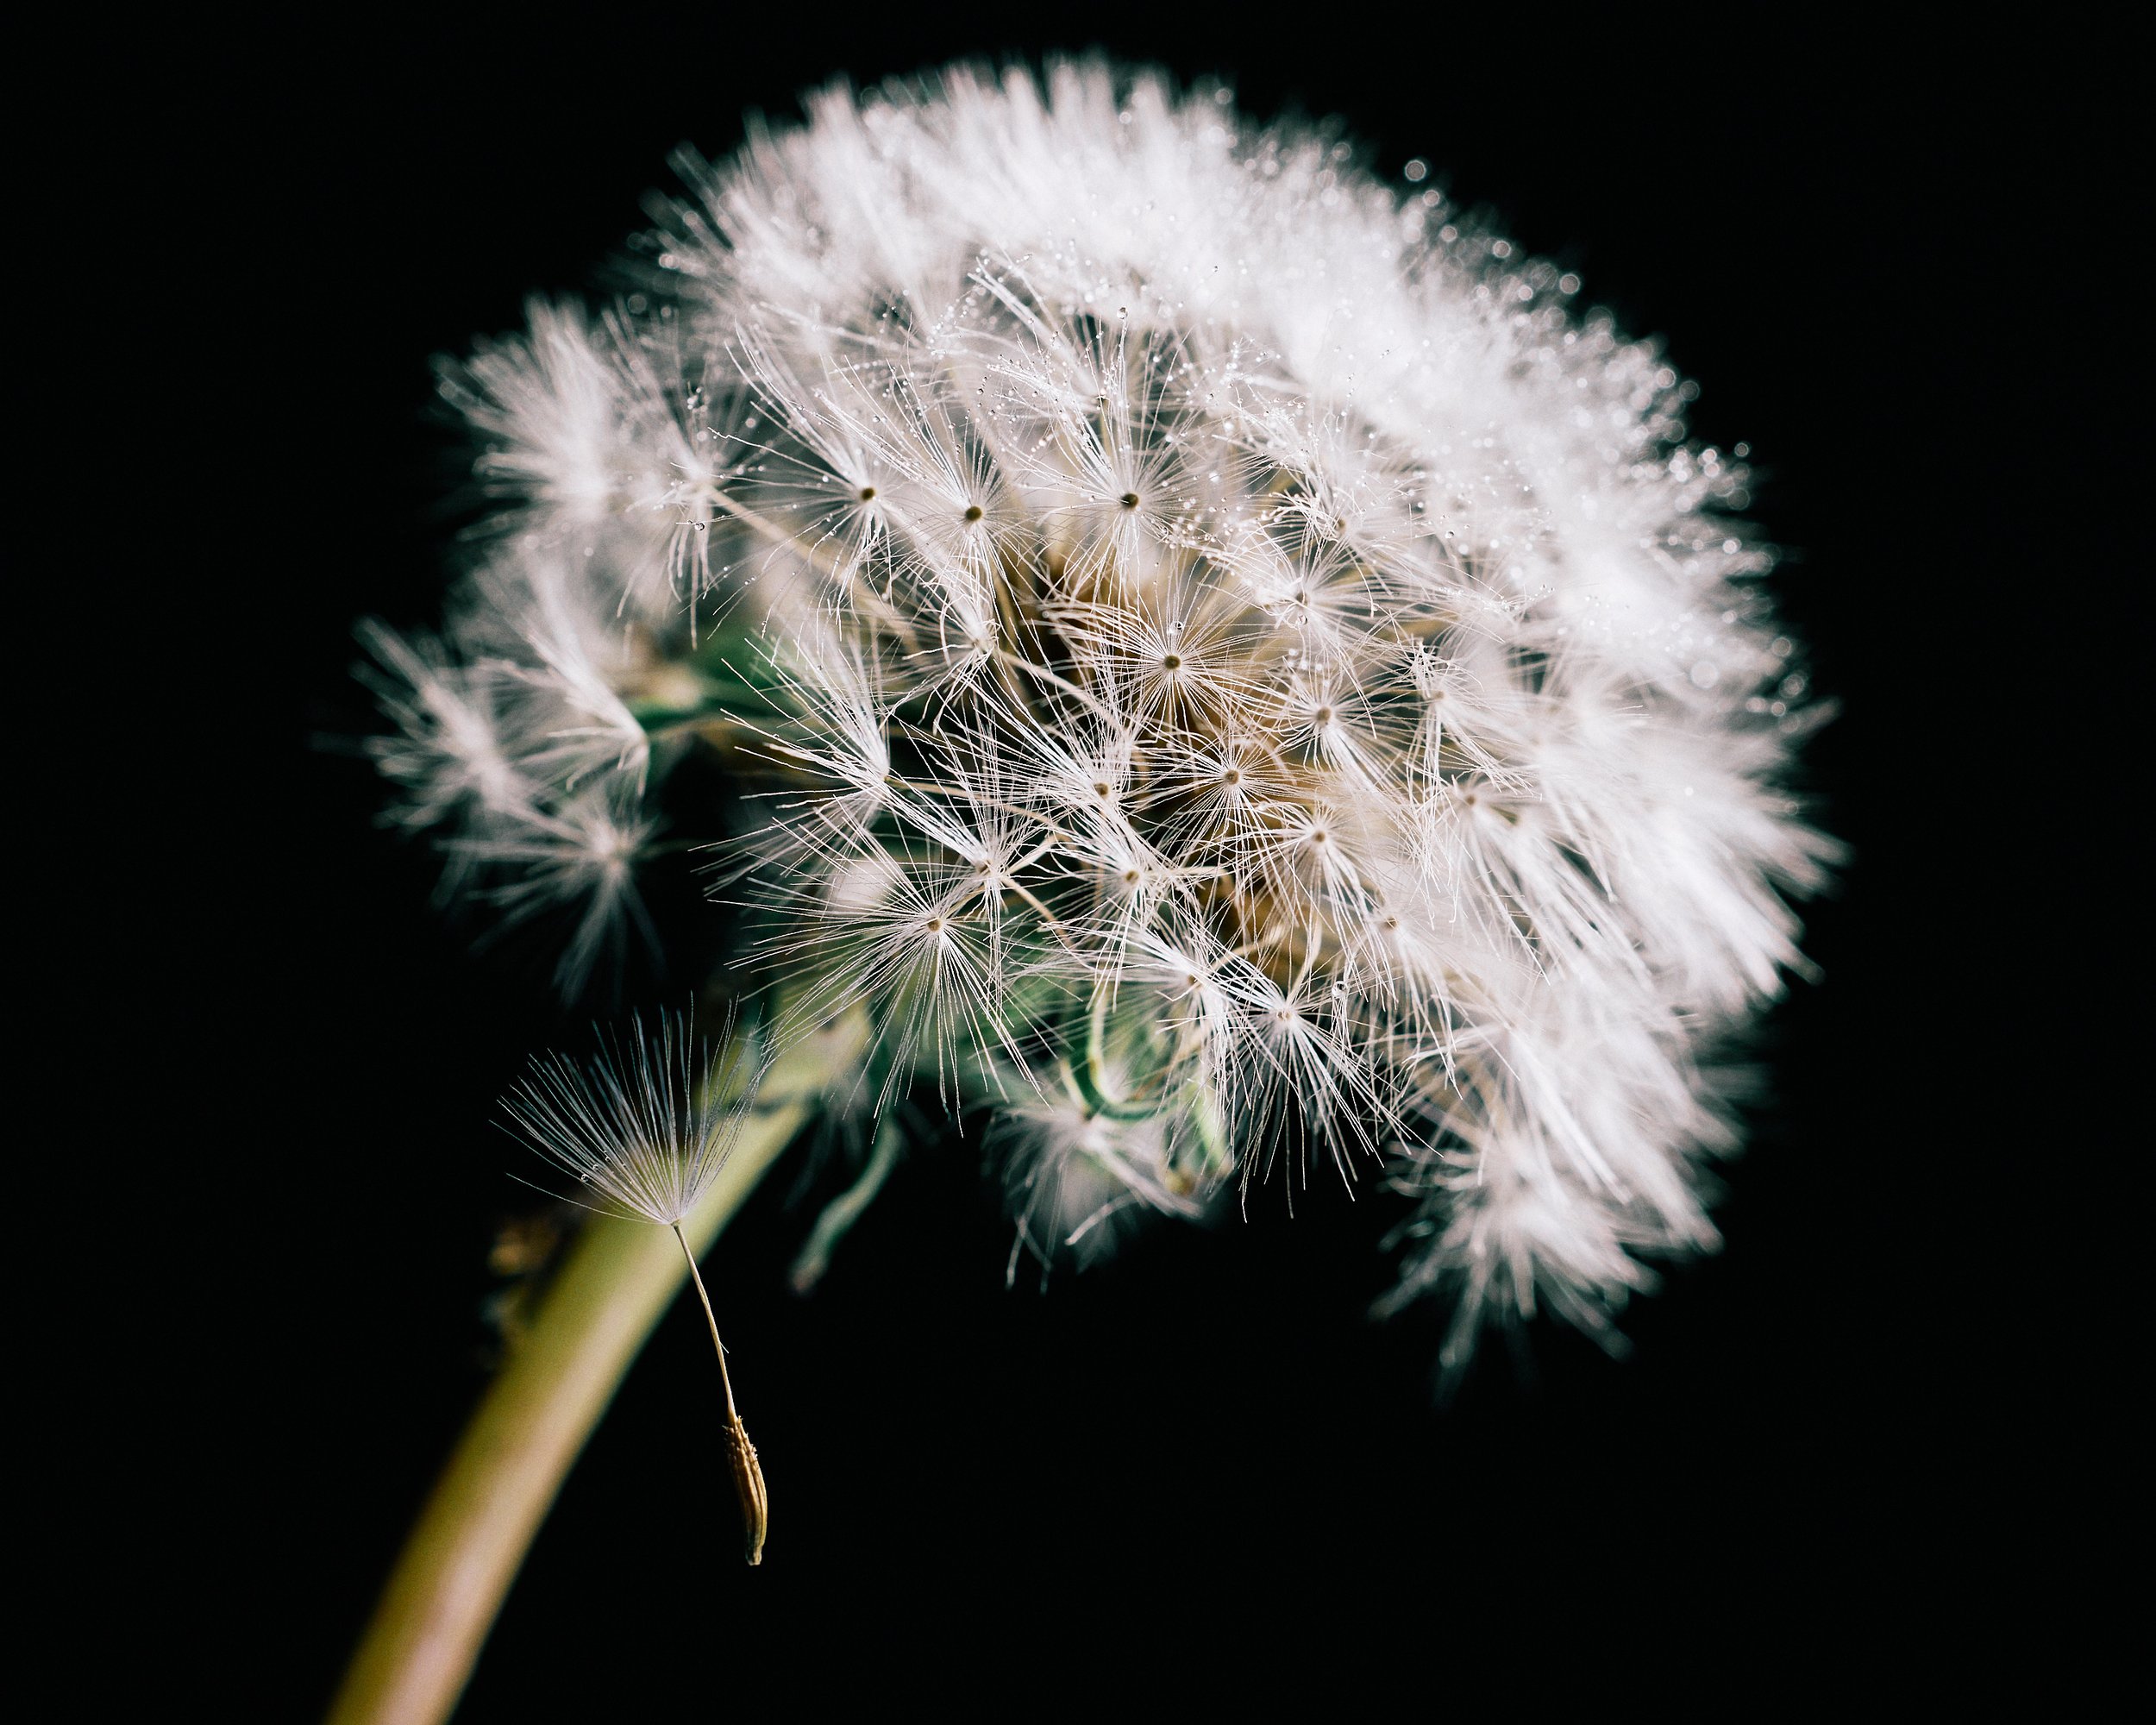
502	1478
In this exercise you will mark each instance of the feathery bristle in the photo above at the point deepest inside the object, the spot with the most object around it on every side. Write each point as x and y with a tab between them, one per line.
646	1124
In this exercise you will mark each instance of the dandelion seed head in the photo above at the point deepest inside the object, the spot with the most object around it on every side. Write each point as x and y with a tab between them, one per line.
1244	682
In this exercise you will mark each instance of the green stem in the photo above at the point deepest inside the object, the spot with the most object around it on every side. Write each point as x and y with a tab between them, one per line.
502	1477
843	1211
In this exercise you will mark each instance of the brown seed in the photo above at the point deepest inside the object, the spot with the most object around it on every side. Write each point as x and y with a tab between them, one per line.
749	1487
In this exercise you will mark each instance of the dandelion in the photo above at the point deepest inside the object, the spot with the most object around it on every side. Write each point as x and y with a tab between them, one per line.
1127	530
643	1129
1215	660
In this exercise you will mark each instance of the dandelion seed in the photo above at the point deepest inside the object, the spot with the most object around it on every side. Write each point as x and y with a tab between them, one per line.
644	1128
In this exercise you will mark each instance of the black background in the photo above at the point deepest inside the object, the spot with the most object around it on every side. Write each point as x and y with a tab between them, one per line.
1832	1440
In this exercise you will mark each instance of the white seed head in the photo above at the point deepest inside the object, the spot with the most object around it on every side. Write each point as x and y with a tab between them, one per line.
1242	671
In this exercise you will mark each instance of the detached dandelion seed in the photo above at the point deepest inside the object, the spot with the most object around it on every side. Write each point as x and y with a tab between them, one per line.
643	1126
